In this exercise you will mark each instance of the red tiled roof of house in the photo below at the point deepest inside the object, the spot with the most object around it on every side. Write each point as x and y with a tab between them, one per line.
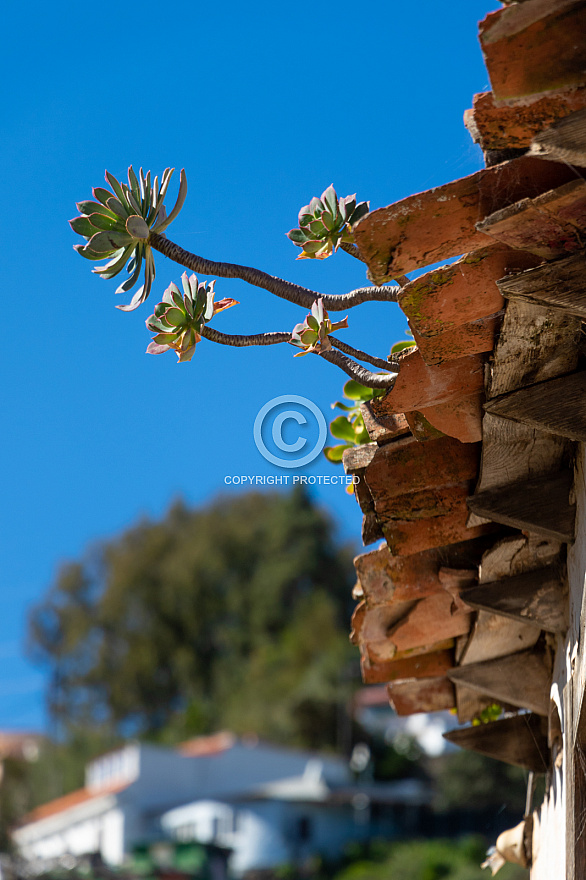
201	746
68	801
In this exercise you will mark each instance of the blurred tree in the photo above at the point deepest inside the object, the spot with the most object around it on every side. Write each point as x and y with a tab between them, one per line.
233	615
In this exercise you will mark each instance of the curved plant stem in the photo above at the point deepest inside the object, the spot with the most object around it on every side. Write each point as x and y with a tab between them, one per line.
365	377
358	354
351	249
293	293
355	371
243	341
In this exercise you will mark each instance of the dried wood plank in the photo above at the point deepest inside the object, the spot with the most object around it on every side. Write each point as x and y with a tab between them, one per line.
560	285
440	223
520	740
564	141
493	636
511	452
517	554
414	695
469	703
539	505
536	343
521	679
557	406
536	597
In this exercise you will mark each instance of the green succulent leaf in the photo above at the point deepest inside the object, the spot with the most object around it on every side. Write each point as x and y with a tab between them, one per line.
118	224
102	195
82	226
342	429
102	221
89	207
137	227
335	453
355	391
401	346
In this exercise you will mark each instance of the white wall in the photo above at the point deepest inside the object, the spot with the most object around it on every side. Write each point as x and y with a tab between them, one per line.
549	834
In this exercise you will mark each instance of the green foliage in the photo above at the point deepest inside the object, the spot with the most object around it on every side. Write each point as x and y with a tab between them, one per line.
325	223
233	615
312	334
434	859
402	346
117	226
350	427
59	767
491	713
178	320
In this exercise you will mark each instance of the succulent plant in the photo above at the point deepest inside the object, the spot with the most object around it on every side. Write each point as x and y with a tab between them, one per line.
117	226
312	334
325	223
350	427
178	320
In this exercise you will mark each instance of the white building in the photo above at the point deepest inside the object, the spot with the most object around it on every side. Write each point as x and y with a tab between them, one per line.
269	805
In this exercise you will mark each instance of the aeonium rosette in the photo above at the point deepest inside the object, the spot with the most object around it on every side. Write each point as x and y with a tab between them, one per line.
312	334
178	320
117	226
325	223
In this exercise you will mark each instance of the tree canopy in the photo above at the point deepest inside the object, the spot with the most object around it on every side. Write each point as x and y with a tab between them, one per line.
231	615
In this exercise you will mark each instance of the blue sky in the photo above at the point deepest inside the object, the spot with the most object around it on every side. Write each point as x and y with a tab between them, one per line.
264	105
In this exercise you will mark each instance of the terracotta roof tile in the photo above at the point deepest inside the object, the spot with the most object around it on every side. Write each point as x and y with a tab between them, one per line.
68	801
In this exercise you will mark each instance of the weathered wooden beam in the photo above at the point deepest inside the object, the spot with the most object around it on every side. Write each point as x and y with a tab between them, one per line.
564	141
540	505
520	740
557	406
521	679
561	284
533	597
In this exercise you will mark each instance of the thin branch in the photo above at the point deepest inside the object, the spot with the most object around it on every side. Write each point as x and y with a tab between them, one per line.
358	354
351	249
243	341
301	296
355	371
365	377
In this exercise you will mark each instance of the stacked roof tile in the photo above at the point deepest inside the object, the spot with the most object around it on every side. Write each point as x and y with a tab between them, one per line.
462	453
